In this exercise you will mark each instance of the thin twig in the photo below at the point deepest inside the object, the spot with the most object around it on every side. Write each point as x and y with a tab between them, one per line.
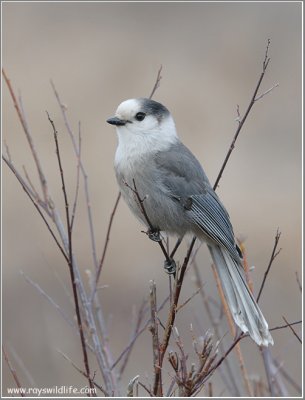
266	92
82	372
273	256
98	273
155	338
238	339
146	389
77	176
220	361
27	191
137	326
42	178
172	314
215	325
292	330
8	153
63	109
71	266
50	208
143	329
188	300
35	194
13	372
22	366
50	299
242	121
298	281
285	326
157	83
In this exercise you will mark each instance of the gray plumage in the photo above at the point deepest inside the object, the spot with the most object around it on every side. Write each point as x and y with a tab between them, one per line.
179	199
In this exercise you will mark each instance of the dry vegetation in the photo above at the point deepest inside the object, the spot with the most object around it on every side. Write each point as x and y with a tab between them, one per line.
187	378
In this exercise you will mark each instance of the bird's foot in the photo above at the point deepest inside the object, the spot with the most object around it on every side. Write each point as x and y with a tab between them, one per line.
154	234
170	266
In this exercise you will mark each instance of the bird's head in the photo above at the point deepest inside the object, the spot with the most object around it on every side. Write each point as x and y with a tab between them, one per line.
144	120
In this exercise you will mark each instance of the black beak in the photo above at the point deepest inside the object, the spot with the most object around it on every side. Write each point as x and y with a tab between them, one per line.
116	121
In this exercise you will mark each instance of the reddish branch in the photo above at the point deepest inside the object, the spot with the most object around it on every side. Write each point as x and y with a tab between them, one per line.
13	372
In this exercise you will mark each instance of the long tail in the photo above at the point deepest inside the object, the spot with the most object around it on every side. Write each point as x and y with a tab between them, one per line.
242	304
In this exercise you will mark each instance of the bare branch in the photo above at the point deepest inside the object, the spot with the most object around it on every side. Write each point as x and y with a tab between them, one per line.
35	194
63	109
285	326
42	178
157	83
188	300
70	263
8	152
172	314
50	300
28	192
242	121
266	92
298	281
82	372
77	176
273	256
143	329
13	371
292	330
215	325
98	273
155	340
136	330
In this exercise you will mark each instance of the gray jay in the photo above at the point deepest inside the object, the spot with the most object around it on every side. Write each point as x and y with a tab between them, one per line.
179	199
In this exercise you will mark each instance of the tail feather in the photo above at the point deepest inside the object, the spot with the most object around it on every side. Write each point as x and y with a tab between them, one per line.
241	302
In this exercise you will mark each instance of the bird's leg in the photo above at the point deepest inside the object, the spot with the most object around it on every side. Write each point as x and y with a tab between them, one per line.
169	263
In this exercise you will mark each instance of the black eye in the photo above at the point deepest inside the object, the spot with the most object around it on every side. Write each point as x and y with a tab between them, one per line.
140	116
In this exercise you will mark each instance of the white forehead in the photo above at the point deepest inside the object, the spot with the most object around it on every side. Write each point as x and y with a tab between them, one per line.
128	108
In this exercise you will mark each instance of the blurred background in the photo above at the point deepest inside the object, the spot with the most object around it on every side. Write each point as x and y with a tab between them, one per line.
99	54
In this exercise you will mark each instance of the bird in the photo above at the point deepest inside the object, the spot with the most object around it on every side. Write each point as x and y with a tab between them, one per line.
155	168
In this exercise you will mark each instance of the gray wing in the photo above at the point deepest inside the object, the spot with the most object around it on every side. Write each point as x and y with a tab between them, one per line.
187	183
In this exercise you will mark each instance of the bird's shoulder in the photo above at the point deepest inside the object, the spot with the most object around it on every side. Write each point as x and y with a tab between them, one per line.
181	171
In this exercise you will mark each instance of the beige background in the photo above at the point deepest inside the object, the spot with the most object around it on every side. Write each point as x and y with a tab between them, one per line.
98	55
